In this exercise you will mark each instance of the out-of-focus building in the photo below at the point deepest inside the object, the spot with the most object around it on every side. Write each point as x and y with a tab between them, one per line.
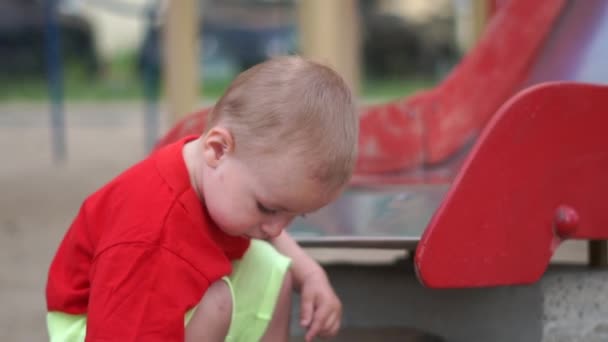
419	11
118	25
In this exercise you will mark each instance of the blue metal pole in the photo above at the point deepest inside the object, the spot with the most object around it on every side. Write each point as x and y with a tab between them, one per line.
151	82
54	69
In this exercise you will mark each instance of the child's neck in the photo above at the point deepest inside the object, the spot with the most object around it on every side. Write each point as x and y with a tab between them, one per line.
189	153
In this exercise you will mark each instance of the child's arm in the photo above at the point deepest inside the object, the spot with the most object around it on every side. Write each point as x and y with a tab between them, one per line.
320	308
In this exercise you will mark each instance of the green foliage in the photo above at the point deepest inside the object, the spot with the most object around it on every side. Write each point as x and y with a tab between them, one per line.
119	80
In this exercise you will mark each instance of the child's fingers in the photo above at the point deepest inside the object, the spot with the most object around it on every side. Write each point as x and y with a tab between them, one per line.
318	320
306	310
313	331
331	326
335	328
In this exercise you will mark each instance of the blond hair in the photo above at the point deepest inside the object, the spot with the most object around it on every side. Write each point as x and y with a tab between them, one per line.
296	105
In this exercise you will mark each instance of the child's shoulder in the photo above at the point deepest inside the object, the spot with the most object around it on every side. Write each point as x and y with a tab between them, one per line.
132	206
138	182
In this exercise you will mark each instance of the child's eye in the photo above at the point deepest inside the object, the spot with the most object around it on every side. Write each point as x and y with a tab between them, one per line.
265	210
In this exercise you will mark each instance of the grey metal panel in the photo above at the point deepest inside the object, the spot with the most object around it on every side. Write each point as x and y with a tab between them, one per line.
391	297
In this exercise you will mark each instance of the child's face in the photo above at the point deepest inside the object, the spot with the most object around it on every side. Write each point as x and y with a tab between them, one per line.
258	199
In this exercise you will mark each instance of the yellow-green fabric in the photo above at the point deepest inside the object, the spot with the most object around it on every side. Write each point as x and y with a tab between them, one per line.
255	284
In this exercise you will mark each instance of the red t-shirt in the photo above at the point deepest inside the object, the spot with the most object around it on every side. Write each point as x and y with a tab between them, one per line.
141	252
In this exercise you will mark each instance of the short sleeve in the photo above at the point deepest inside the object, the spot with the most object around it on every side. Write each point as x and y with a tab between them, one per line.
141	292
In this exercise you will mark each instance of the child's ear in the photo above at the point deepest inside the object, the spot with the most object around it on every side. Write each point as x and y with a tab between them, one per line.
216	144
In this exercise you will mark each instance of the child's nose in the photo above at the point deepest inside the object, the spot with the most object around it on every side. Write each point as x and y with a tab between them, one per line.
272	229
275	227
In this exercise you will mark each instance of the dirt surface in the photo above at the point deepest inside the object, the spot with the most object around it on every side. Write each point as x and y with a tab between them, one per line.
39	198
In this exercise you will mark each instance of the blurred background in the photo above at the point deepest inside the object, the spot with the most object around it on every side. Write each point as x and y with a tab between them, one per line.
88	86
107	47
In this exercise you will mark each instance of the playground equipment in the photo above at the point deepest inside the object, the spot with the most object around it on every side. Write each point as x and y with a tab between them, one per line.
486	174
415	146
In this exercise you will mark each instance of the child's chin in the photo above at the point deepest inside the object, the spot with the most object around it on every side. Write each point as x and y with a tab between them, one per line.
230	232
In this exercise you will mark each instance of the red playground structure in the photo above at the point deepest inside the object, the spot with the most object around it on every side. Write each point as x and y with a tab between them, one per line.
485	175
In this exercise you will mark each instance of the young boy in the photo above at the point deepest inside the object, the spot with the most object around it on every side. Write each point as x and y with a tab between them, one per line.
180	246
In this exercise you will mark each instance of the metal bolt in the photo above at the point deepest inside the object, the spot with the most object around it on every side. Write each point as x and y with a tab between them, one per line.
566	221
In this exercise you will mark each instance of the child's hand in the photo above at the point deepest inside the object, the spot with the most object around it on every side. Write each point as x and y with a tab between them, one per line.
320	308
